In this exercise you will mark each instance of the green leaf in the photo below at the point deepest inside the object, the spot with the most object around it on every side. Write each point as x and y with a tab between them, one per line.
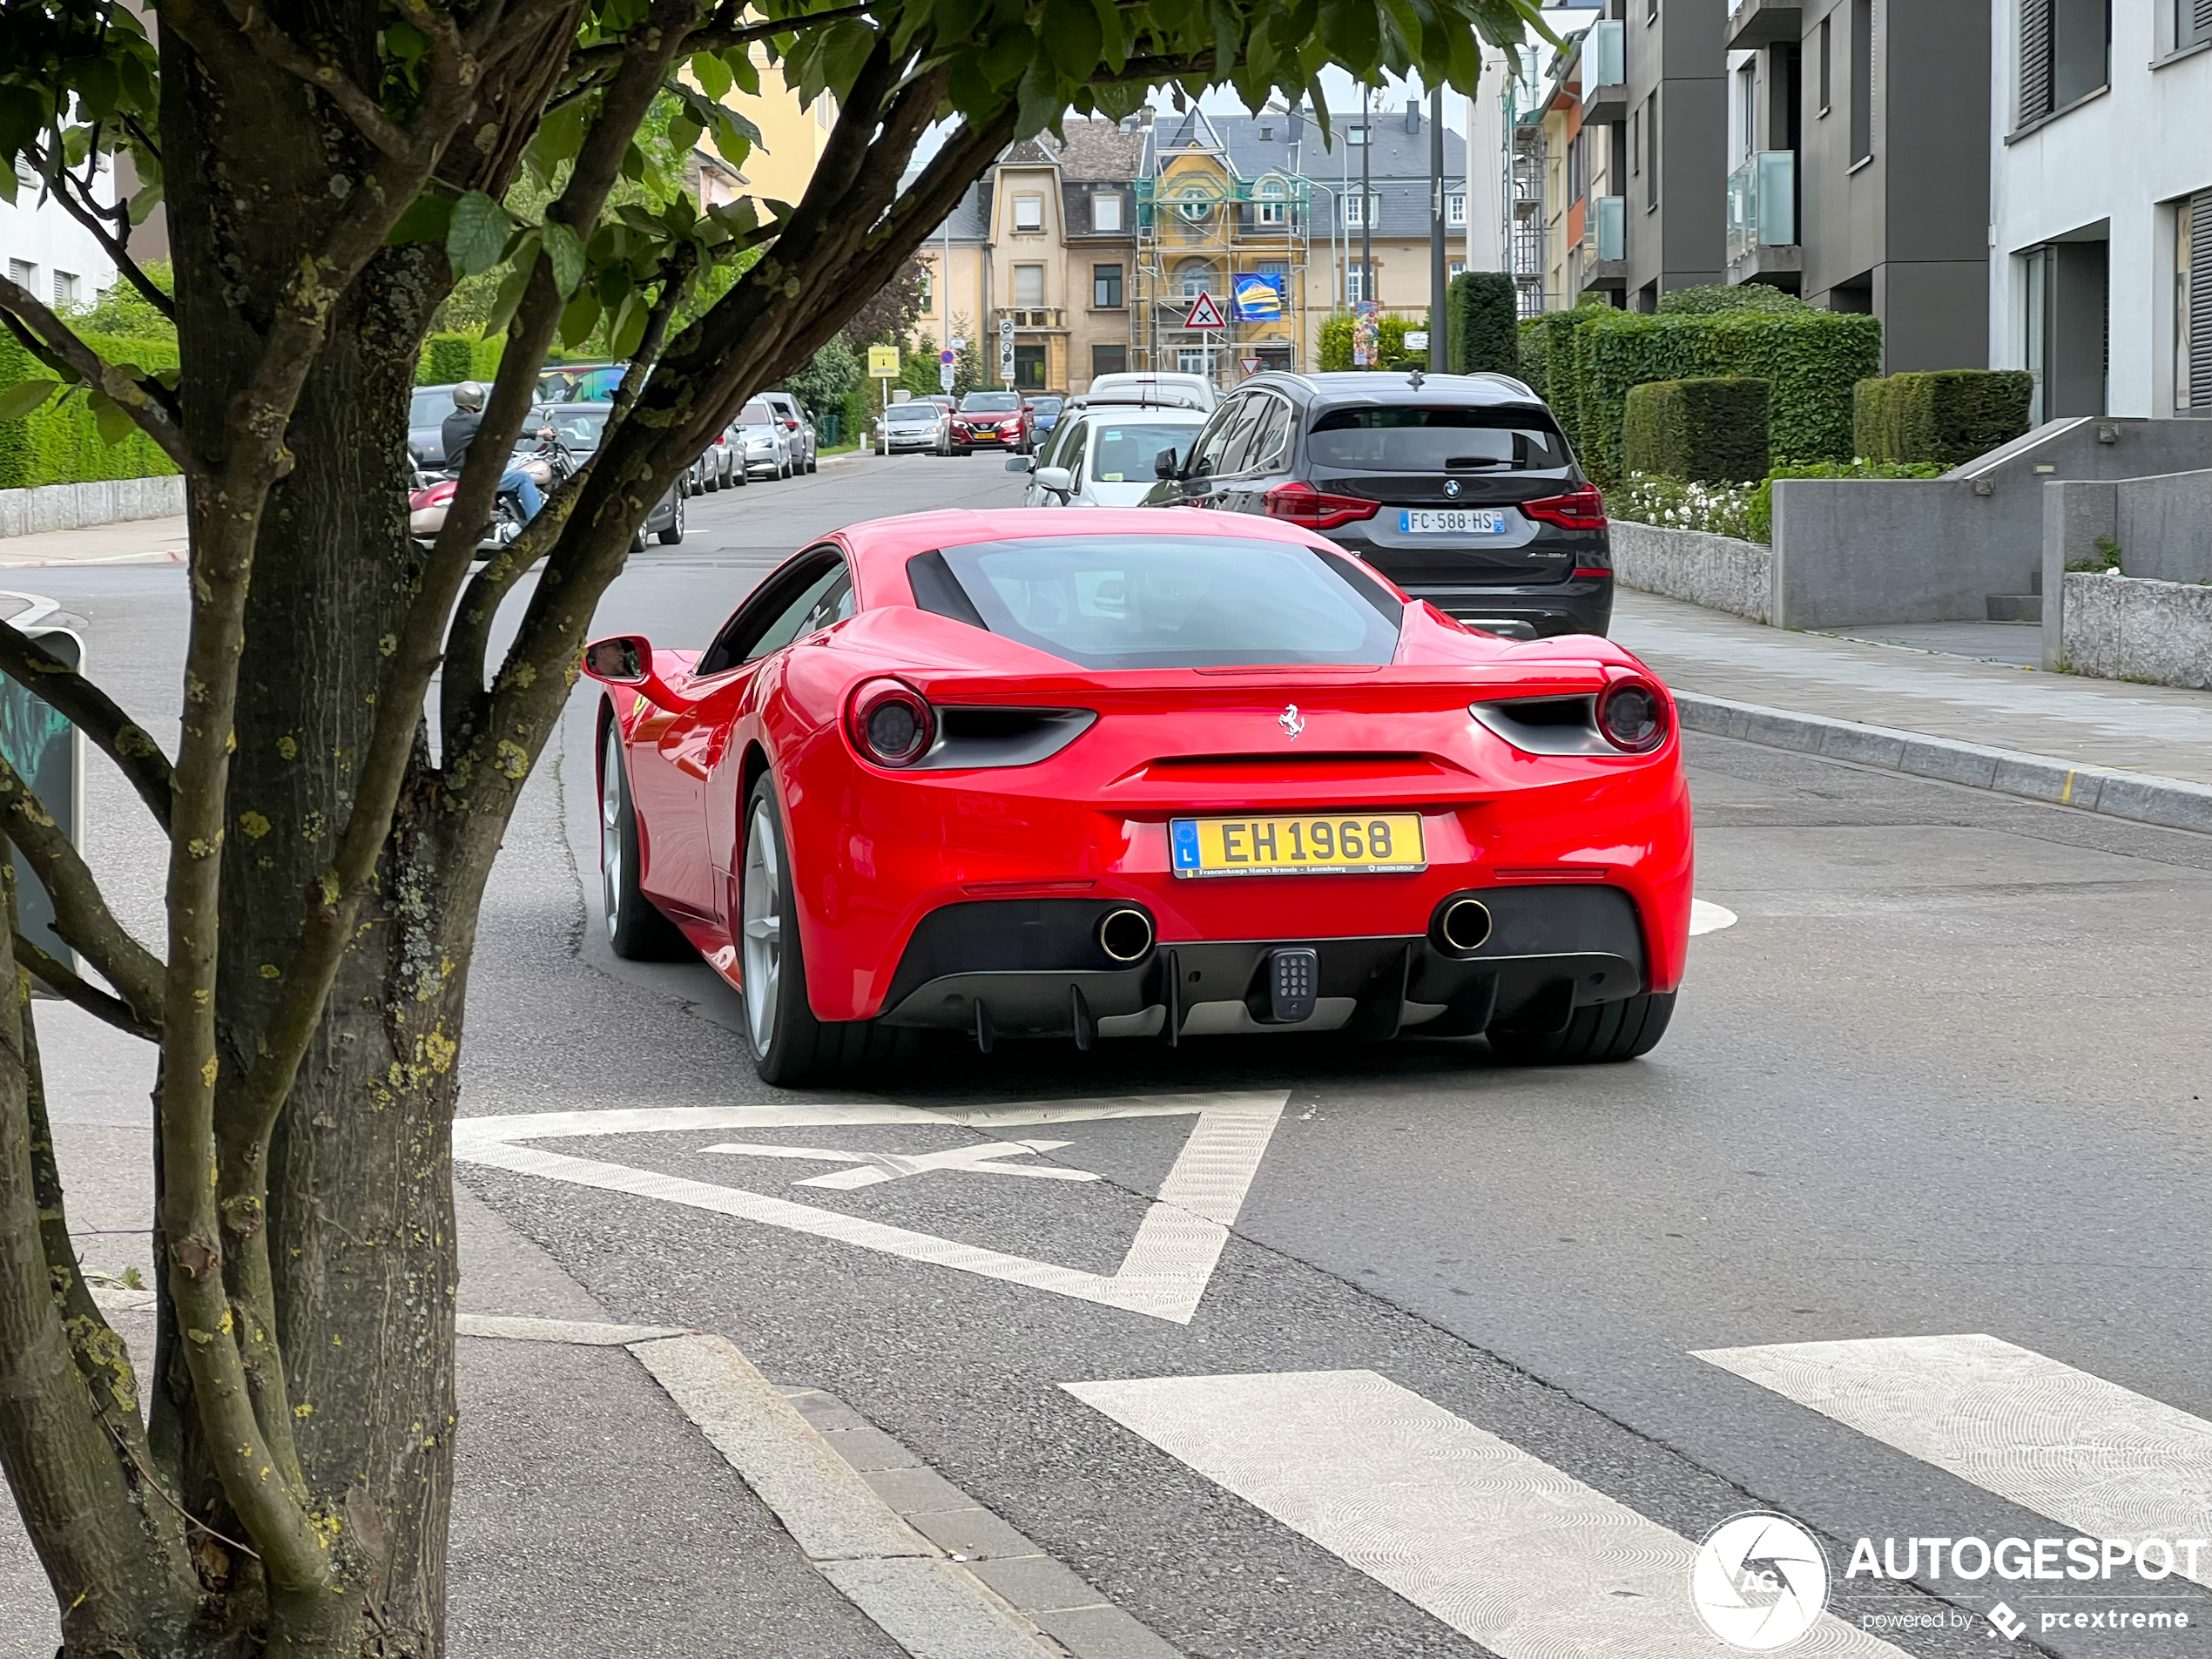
629	330
558	137
1005	59
1351	29
478	234
510	290
138	82
1040	101
112	419
143	202
99	88
684	133
22	398
1075	39
1113	35
404	42
566	253
428	218
713	75
581	317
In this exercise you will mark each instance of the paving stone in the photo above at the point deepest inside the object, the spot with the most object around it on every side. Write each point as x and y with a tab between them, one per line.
826	1412
1037	1584
917	1491
1103	1633
867	1449
973	1532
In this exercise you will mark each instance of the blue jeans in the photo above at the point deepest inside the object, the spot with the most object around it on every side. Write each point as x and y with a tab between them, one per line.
524	489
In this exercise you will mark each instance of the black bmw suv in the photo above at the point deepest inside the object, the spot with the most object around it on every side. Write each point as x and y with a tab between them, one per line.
1458	488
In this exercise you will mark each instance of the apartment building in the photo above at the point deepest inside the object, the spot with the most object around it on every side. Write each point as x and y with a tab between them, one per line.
2099	279
47	252
1858	165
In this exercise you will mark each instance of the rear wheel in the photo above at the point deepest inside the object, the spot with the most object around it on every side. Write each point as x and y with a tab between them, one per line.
790	1046
638	932
674	533
1606	1033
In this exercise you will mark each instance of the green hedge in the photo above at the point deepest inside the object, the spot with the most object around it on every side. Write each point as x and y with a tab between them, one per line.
1390	343
448	358
1809	359
1532	341
1735	296
59	442
1707	431
1948	416
1481	312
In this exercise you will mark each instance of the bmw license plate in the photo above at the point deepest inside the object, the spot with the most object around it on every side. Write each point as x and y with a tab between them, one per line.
1341	843
1452	521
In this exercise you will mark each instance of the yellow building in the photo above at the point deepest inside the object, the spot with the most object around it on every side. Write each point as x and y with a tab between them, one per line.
792	137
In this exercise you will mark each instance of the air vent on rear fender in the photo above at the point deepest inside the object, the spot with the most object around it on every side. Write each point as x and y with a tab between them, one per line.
976	737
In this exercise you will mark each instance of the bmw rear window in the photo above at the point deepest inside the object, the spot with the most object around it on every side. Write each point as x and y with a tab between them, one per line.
1113	602
1401	439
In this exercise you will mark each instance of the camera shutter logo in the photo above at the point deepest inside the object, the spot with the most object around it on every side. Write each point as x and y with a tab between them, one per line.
1759	1582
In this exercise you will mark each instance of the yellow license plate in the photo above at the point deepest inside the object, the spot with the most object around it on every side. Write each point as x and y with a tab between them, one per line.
1340	844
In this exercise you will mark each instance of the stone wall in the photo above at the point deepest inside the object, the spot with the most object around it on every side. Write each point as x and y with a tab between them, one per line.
2132	628
1717	571
70	507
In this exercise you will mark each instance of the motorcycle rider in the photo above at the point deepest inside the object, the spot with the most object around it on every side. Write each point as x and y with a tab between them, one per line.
459	431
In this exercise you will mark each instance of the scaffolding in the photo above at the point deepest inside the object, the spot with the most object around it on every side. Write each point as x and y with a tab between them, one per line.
1526	228
1202	229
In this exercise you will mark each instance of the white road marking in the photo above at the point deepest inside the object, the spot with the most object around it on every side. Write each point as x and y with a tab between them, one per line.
589	1333
875	1168
1165	1275
2101	1459
1706	918
1495	1543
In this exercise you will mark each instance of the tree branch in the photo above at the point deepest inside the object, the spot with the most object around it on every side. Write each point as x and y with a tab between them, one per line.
85	706
147	401
76	203
721	36
81	915
322	73
57	979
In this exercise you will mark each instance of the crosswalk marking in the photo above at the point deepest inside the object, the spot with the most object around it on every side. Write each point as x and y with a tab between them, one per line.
1496	1543
2096	1457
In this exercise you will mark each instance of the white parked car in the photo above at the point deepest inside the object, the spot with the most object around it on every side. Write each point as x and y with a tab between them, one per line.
1176	391
917	424
1105	458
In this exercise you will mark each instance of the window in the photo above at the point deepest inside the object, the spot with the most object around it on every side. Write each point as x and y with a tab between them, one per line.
1358	289
1194	360
65	290
1029	213
1362	210
1826	60
1651	138
1270	434
23	274
1109	360
1193	278
2065	54
1133	601
1355	135
1028	285
1272	207
1459	267
1194	203
1862	80
1636	143
1578	163
1435	441
1455	208
2193	304
1029	368
1106	286
773	616
1746	110
1106	211
1125	451
926	291
2192	22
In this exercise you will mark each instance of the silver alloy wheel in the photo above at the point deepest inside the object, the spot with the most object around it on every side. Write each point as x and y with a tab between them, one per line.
611	829
763	928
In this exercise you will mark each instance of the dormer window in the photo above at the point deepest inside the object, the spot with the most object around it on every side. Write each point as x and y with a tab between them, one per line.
1029	213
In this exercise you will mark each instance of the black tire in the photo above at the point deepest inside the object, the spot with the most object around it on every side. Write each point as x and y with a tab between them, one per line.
637	931
741	475
1600	1036
673	535
791	1048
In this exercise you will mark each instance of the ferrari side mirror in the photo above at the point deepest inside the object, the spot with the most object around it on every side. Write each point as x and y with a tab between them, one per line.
622	660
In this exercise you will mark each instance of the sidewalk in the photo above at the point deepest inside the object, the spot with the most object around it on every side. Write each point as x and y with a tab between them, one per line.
128	541
2142	752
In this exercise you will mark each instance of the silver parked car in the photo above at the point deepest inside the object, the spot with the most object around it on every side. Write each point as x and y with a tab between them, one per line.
763	444
799	428
918	424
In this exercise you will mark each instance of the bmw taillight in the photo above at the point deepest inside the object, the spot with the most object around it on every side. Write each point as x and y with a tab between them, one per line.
1633	716
1579	509
890	723
1300	504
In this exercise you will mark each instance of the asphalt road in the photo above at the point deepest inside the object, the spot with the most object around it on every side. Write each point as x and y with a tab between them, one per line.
1943	1078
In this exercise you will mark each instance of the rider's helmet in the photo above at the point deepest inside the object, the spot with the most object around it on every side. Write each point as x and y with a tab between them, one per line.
468	395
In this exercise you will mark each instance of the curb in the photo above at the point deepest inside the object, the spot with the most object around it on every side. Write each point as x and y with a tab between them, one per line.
2144	798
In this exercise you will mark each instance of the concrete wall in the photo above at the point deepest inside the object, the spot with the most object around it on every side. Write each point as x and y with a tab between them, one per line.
1717	572
2125	628
2163	529
69	507
1681	242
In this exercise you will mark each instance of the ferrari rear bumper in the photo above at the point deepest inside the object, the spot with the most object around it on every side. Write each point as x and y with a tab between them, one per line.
1038	968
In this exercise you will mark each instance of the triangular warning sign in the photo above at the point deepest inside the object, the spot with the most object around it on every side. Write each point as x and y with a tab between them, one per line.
1170	1260
1204	314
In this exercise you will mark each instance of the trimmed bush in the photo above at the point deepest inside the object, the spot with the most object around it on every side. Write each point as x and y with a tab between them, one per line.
59	442
1707	431
1740	296
1809	359
1563	387
1482	311
1947	416
448	358
1535	342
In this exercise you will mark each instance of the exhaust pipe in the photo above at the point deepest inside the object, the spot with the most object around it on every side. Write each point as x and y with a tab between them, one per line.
1465	924
1125	935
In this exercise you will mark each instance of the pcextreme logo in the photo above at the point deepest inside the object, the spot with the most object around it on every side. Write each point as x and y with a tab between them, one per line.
1759	1582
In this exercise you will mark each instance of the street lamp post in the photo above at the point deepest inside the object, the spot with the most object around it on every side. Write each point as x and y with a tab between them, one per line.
1439	361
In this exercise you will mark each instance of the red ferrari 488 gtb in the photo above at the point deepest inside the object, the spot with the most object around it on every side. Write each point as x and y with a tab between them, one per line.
1141	774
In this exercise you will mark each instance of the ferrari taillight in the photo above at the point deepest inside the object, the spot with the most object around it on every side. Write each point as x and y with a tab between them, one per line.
1632	715
1578	509
1300	504
890	723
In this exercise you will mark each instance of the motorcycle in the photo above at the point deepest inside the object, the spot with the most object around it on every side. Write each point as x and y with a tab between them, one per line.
432	494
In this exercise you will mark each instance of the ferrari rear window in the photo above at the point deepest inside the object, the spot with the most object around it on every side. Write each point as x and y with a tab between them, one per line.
1109	602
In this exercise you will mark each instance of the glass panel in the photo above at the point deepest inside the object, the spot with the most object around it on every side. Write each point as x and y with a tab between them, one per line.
1438	440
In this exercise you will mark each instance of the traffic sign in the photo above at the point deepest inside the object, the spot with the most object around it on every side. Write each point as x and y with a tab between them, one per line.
1204	314
1417	339
945	357
945	377
883	362
1006	331
1251	365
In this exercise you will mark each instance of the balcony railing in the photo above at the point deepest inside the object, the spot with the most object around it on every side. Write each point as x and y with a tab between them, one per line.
1605	57
1032	316
1762	204
1605	235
